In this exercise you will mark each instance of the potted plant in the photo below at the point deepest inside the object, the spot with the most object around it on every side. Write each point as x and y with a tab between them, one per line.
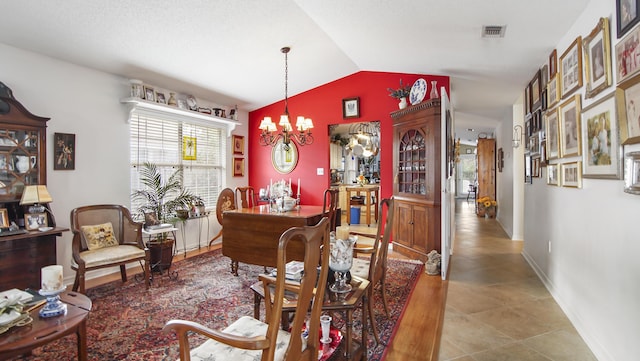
161	200
401	94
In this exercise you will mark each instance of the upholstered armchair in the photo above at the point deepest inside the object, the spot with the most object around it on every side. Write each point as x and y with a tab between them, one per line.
106	236
373	267
249	339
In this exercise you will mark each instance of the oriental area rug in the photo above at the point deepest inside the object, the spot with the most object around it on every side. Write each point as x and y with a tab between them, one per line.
126	320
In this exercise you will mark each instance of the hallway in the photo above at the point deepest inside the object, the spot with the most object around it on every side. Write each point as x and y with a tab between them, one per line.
497	309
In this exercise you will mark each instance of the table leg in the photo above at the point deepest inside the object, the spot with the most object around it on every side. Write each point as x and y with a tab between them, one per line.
81	333
348	341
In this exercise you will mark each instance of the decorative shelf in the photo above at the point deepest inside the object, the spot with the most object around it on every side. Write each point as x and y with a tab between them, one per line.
174	113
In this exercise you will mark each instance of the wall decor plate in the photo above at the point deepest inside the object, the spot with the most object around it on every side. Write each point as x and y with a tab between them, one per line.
418	91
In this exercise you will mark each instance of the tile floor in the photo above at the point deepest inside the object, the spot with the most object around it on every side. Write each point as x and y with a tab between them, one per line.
497	308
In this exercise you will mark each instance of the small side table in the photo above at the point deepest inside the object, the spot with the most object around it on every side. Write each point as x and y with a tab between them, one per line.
20	340
158	266
371	198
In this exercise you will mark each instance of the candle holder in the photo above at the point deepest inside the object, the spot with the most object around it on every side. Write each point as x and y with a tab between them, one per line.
53	307
340	261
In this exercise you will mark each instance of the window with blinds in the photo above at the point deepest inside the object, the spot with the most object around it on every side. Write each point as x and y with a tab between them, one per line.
197	148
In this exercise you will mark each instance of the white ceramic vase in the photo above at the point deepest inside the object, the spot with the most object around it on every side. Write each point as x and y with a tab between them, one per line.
403	103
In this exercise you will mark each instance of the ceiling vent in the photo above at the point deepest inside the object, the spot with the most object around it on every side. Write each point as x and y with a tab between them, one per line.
493	31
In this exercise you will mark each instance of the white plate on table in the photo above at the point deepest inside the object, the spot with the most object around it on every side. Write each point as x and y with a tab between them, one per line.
44	229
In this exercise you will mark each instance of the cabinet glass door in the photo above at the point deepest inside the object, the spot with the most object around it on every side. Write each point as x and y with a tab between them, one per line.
18	160
412	161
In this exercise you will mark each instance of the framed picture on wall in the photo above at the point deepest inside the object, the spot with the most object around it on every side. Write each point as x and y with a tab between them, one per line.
238	144
64	151
238	167
553	150
351	108
569	127
571	68
597	59
553	63
552	174
553	91
629	110
600	146
527	169
627	15
571	174
632	172
535	91
626	48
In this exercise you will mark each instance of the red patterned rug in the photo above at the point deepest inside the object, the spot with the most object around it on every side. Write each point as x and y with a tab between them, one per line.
126	320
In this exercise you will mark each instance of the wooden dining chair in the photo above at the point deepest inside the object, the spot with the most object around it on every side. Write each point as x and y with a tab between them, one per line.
374	267
246	197
330	206
226	201
251	339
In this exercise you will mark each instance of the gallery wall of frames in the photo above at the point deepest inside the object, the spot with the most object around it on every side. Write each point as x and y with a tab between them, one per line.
573	142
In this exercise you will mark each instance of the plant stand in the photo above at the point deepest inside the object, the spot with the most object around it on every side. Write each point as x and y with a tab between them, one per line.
162	248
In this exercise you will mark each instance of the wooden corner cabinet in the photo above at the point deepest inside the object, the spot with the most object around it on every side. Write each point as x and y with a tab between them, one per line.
22	162
416	184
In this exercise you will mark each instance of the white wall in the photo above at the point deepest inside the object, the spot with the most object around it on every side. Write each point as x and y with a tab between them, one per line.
86	102
592	270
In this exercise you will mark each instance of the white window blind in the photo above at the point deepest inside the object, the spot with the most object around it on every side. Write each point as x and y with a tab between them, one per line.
160	141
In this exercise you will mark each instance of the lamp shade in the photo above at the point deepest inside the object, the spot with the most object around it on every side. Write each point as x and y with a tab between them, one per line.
35	194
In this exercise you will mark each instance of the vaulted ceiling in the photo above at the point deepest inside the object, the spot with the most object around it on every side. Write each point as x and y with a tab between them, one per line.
229	51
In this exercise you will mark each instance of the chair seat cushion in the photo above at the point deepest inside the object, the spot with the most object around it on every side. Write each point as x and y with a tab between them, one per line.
244	326
111	255
360	267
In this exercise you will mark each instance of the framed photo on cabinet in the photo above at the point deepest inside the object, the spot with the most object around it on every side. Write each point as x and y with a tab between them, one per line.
238	167
626	66
351	108
4	218
553	149
597	59
600	146
569	127
571	68
571	174
629	111
627	15
149	94
33	221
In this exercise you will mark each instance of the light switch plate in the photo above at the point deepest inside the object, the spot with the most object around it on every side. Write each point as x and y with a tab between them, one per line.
320	171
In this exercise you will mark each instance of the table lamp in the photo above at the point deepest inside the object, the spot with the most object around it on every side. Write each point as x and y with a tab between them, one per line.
34	196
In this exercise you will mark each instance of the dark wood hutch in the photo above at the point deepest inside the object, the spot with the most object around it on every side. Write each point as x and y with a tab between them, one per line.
416	183
23	161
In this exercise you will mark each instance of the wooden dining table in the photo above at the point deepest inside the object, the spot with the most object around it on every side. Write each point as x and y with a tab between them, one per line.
251	235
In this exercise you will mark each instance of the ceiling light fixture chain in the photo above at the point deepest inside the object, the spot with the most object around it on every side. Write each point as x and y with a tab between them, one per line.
303	125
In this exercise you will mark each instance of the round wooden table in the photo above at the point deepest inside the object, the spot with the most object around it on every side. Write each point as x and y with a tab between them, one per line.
20	340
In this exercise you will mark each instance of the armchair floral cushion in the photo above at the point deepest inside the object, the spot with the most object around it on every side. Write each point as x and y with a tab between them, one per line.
99	236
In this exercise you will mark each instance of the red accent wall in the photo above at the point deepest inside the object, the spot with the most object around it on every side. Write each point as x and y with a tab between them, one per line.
324	106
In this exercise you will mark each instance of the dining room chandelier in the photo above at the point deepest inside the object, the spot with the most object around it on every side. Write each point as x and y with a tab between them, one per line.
268	135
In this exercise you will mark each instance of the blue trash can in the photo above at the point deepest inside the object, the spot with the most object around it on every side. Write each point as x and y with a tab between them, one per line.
355	215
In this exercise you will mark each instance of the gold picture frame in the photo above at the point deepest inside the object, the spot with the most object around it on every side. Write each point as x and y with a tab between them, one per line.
33	221
626	49
189	148
552	174
597	59
629	110
569	127
553	91
4	218
570	68
571	174
601	144
238	144
238	167
553	148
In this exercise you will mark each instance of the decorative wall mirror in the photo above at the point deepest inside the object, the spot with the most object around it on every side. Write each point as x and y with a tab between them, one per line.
284	158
